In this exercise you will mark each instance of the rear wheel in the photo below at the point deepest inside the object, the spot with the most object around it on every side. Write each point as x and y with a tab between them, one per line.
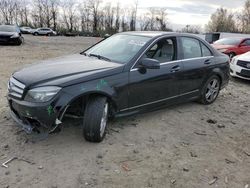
35	33
95	119
210	90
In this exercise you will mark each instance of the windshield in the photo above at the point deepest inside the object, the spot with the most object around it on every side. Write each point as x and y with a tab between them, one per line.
118	48
7	28
227	41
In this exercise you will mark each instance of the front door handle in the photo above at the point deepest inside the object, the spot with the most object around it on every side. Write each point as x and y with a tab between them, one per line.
207	61
175	68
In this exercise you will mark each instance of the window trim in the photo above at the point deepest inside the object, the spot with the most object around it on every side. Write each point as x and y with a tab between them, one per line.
178	61
201	43
182	49
151	45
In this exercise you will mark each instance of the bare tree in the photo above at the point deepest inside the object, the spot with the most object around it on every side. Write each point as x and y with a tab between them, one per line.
94	6
69	14
222	21
244	18
117	18
162	19
196	29
8	10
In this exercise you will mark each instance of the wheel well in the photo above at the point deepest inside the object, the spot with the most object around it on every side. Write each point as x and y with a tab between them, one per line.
220	77
77	106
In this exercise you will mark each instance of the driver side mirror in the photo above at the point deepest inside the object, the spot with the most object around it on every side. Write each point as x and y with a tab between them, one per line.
148	63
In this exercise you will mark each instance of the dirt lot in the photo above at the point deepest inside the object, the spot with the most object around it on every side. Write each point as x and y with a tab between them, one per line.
174	147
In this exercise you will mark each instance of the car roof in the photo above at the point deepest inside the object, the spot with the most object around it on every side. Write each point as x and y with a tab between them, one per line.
155	34
148	33
239	38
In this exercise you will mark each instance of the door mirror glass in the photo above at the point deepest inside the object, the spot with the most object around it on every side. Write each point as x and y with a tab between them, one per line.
150	63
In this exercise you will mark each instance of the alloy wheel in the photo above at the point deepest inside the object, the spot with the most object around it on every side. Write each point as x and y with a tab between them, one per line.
104	120
212	90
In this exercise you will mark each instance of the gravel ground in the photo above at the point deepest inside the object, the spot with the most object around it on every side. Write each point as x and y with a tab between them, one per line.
184	146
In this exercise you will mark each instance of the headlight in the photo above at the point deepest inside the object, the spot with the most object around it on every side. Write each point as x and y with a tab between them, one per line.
42	94
15	35
234	60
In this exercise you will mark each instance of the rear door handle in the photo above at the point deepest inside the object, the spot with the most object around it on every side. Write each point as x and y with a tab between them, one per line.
207	61
175	68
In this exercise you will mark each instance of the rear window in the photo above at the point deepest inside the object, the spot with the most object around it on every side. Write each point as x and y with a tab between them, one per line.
191	48
205	51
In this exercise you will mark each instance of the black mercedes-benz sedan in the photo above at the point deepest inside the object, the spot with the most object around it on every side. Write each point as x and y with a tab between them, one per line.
10	34
124	74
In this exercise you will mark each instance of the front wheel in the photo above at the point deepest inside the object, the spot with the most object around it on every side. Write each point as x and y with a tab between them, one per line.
95	119
210	90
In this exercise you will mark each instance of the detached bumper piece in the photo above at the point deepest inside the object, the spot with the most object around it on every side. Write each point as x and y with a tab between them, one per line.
28	128
27	124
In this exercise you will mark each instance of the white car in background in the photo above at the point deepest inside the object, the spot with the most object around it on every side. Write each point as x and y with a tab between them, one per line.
240	66
44	31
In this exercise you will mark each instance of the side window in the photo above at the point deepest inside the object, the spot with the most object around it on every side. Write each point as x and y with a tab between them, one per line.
163	51
205	51
247	42
191	48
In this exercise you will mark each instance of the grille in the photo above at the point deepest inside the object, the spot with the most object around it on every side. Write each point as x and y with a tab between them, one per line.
244	64
4	37
15	88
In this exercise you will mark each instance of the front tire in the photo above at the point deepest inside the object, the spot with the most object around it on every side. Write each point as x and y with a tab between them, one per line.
95	119
210	90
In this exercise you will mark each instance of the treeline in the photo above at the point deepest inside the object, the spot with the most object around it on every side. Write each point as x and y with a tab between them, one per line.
97	17
93	17
225	21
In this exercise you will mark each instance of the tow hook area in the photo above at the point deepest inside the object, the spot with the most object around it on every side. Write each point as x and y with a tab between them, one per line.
56	127
28	128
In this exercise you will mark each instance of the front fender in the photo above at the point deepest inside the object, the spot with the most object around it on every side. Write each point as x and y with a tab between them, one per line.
69	94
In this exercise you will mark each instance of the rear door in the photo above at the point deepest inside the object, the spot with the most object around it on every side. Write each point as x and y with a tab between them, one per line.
197	60
153	86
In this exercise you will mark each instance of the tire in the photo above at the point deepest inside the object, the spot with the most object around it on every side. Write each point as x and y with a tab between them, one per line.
210	90
95	119
48	34
36	34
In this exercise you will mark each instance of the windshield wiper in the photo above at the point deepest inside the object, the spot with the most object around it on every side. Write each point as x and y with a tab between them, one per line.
99	57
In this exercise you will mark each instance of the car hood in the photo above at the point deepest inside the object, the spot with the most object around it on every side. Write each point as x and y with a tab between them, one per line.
66	70
244	57
219	47
7	34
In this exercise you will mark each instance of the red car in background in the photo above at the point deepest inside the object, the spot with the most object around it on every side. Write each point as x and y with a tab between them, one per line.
232	46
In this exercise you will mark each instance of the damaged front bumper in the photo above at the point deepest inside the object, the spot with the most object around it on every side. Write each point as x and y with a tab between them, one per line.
34	117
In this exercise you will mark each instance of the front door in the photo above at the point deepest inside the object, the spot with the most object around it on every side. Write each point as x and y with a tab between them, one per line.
152	86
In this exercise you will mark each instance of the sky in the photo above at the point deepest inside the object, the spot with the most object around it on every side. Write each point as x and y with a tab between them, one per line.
187	12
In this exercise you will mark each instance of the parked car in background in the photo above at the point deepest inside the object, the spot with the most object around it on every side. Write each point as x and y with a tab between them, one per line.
26	30
240	66
232	46
44	31
212	37
10	34
124	74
